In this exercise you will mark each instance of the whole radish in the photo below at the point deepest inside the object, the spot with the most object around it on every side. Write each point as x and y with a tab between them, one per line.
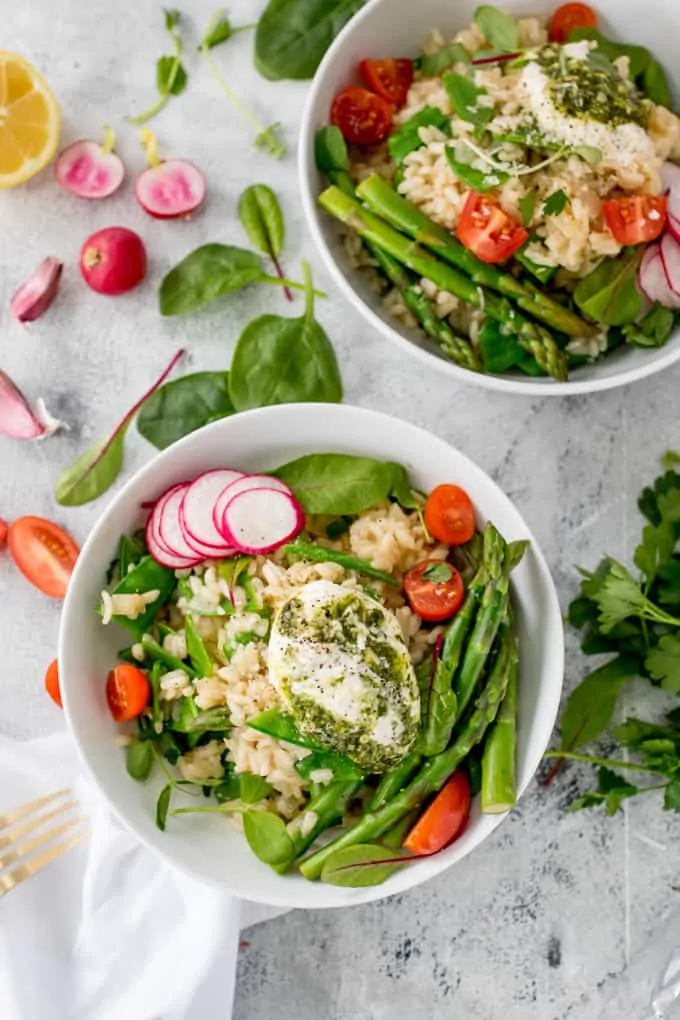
90	170
169	188
113	260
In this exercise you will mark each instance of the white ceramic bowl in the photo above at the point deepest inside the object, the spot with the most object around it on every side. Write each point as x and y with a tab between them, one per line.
205	845
395	28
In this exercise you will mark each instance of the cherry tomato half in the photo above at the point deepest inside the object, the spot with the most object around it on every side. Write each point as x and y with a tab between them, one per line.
434	590
487	231
635	219
449	515
568	17
363	117
52	683
127	692
388	78
444	820
3	532
44	553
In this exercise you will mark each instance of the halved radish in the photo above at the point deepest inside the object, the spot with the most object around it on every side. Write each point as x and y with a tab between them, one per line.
670	256
196	512
259	520
90	170
243	485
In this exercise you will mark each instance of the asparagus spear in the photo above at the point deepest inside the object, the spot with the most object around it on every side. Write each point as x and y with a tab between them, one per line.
453	346
499	790
395	779
533	337
493	611
383	200
329	805
431	776
307	551
444	709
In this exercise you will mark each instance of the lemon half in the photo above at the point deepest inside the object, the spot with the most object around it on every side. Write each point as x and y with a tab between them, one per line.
29	121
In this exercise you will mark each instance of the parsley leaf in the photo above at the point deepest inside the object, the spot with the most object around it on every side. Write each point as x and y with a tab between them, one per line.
618	597
655	548
663	662
671	799
555	203
438	573
611	791
527	207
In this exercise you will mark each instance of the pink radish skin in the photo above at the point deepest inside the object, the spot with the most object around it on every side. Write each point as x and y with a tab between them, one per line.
670	256
670	179
196	512
244	484
157	546
258	521
673	225
89	170
171	189
168	530
653	281
37	293
113	261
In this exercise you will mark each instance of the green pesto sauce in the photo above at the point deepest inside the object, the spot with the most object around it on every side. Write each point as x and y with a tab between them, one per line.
592	88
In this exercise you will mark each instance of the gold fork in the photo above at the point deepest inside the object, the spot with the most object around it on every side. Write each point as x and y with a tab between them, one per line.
44	821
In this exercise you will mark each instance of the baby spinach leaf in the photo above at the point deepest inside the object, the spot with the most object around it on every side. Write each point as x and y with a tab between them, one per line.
330	149
464	96
590	706
432	64
98	467
284	361
500	351
555	203
162	805
653	330
407	139
268	837
337	483
527	207
498	28
361	865
252	788
654	84
402	490
184	405
139	760
293	35
438	573
342	768
608	294
262	219
478	180
196	650
207	274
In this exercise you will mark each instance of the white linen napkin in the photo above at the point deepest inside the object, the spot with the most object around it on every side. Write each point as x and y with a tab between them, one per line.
109	930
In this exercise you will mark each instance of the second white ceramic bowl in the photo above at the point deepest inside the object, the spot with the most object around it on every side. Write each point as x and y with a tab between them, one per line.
395	28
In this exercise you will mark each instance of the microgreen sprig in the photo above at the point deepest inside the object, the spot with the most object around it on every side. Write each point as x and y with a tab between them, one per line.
171	77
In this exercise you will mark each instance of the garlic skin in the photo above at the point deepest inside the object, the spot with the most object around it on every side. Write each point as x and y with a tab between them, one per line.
18	420
37	293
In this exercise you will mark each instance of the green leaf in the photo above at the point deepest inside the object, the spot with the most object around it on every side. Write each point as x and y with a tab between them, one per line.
219	30
293	35
588	153
669	506
198	654
184	405
655	549
262	219
464	96
671	797
500	350
432	64
611	791
653	330
618	597
478	180
276	723
171	78
654	84
439	573
330	150
670	460
172	18
527	207
645	70
634	732
337	483
252	788
591	705
268	837
284	361
663	662
162	806
402	490
609	293
342	768
147	575
498	28
139	760
361	865
406	138
555	203
206	274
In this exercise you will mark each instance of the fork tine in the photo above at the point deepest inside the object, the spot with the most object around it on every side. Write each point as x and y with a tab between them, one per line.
23	849
16	814
11	879
17	831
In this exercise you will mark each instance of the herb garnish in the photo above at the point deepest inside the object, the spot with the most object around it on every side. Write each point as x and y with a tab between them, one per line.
171	77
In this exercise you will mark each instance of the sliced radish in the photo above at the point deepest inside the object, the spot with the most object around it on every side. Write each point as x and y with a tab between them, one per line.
673	225
670	256
259	520
90	170
196	512
653	281
670	179
154	540
172	189
244	484
170	529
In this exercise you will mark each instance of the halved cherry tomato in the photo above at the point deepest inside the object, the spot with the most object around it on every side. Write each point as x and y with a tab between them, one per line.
127	692
437	596
568	17
487	231
449	515
636	219
444	819
363	117
52	683
3	532
389	78
44	553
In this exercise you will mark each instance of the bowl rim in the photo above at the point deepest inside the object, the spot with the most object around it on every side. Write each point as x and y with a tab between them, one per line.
550	697
499	383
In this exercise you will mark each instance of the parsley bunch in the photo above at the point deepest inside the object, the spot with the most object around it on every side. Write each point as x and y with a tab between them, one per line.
637	621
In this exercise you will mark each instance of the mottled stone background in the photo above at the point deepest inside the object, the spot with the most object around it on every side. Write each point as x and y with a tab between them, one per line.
543	917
